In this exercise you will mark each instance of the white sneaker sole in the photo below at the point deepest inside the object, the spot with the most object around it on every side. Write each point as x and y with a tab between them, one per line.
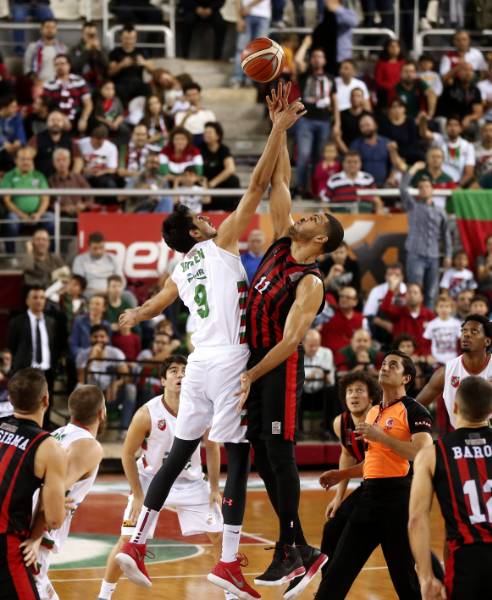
297	573
130	569
230	587
306	580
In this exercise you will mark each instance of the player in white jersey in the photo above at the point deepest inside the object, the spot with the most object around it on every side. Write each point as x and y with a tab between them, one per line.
211	281
476	339
87	417
152	431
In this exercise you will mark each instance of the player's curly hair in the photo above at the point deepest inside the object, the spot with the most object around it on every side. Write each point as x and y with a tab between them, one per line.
176	229
374	390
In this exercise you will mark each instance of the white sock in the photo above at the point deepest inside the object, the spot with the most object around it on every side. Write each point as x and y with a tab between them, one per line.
230	542
107	590
145	522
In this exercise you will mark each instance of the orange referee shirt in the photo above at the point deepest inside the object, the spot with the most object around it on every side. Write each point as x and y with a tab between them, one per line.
400	420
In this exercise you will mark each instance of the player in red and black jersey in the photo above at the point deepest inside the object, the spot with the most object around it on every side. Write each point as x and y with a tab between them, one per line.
285	295
29	457
458	468
359	391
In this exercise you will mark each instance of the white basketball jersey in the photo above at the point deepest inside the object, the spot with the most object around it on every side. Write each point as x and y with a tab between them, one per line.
213	285
454	374
157	445
66	436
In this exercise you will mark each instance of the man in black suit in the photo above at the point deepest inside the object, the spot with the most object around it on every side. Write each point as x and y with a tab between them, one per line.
32	339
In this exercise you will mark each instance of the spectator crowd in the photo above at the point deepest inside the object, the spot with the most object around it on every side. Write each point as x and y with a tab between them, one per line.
83	118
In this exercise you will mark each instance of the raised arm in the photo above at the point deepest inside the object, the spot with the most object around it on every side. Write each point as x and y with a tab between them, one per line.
433	389
237	222
152	307
309	296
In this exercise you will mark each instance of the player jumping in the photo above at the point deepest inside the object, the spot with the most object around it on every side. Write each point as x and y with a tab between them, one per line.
285	295
152	431
211	281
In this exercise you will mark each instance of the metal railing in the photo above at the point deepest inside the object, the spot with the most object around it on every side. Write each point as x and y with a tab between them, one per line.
298	206
169	45
376	32
421	47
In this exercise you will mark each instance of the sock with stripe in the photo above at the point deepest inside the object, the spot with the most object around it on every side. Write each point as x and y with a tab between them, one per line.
106	591
145	522
230	542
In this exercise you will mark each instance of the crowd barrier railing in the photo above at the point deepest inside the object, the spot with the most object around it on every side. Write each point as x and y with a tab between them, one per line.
421	46
298	206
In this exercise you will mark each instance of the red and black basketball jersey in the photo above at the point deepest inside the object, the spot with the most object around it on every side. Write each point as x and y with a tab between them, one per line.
19	440
355	447
272	293
463	484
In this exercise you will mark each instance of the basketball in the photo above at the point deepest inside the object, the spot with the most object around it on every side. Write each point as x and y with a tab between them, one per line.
262	60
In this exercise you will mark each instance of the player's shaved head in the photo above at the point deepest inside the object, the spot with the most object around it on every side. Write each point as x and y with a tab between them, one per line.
474	399
85	403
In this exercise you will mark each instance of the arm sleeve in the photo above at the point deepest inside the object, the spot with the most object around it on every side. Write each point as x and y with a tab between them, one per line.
406	197
445	65
392	311
419	419
20	133
346	16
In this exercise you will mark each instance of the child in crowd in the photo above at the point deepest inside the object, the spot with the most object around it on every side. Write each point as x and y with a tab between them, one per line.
328	166
190	179
480	306
427	72
109	111
128	342
387	70
444	332
458	277
72	301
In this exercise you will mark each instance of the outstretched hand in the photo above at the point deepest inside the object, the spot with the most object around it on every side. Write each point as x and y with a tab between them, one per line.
278	99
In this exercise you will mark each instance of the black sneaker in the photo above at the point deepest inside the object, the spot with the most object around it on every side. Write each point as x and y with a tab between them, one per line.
285	566
313	560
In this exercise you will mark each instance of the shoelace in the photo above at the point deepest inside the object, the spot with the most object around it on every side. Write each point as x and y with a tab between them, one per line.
279	550
243	559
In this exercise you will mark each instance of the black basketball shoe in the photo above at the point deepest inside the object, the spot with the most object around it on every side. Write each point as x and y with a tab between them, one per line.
285	566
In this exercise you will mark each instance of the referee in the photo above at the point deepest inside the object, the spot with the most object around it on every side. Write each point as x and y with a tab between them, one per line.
394	431
29	458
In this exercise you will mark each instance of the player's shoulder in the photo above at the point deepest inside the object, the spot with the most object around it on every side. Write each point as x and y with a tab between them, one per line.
415	410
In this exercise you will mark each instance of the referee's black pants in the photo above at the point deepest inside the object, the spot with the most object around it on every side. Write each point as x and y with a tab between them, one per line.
380	518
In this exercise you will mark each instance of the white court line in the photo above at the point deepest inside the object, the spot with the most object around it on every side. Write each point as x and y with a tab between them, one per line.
201	575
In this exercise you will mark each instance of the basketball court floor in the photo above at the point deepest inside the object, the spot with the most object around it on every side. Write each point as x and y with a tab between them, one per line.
181	564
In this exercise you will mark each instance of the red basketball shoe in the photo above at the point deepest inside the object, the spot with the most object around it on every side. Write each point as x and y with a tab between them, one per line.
131	561
229	577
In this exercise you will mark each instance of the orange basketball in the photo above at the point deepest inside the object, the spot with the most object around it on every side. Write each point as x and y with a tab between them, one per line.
262	60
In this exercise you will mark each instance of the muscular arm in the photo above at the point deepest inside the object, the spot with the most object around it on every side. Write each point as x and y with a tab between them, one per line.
83	457
408	450
139	429
433	389
421	495
237	222
280	198
309	295
50	464
152	307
